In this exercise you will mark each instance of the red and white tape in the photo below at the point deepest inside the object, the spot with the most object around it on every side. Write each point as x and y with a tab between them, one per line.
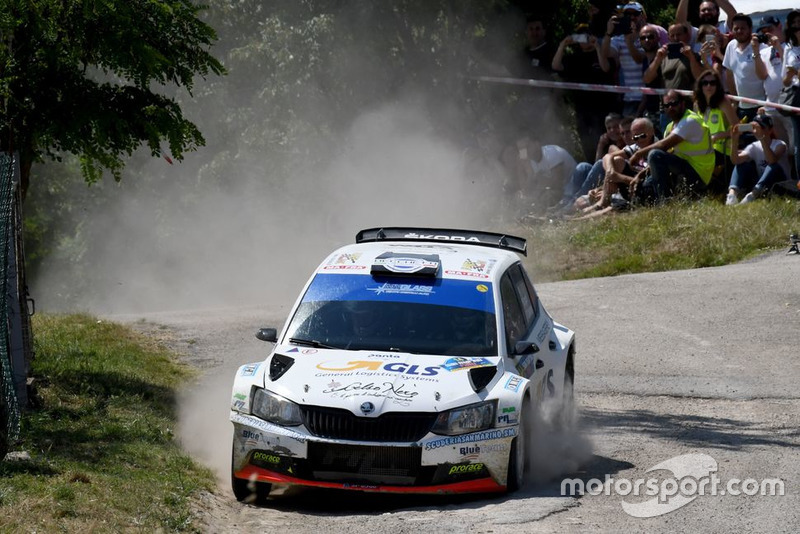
620	89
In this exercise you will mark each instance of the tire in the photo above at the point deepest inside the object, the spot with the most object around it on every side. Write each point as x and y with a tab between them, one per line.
518	463
566	415
249	491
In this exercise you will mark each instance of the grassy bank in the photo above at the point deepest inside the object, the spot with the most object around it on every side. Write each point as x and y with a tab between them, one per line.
104	456
679	235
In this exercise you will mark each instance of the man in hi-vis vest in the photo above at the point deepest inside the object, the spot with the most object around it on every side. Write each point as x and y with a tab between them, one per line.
683	161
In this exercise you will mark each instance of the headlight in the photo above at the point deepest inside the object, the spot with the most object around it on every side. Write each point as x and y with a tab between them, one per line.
275	409
465	420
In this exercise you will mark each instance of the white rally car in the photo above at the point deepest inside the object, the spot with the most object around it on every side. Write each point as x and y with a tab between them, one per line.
410	363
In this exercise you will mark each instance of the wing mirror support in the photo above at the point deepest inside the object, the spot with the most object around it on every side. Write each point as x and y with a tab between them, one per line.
525	347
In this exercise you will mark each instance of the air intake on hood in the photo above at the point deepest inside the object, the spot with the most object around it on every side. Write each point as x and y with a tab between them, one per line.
479	377
279	365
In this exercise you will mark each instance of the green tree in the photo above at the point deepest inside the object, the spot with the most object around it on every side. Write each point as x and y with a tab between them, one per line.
91	78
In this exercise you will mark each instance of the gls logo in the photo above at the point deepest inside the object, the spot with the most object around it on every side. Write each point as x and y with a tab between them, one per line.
394	367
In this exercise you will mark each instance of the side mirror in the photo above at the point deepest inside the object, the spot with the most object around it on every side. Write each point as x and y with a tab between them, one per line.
525	347
267	334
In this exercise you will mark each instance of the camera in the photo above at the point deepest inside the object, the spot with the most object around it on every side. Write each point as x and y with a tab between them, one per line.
622	26
764	38
745	127
581	38
674	50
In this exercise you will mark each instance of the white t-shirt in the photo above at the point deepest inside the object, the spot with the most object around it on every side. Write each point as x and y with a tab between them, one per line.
742	65
774	60
792	60
688	129
756	153
552	156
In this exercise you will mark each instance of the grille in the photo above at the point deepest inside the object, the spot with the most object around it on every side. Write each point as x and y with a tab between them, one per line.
364	462
342	424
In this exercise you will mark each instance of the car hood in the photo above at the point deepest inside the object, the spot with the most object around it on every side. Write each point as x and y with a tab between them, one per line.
370	383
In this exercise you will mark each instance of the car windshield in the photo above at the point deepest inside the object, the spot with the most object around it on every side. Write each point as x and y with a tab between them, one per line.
419	315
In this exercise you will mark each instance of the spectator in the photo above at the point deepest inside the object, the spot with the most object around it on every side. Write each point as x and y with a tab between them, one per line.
760	165
688	165
675	64
746	69
648	39
538	53
773	56
627	52
587	176
712	49
619	172
578	59
790	76
540	172
719	115
708	14
612	137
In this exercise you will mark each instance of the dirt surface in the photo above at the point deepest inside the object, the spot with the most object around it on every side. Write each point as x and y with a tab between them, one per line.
669	364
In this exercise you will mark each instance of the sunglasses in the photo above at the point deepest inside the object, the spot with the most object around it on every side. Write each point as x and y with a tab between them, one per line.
640	136
672	103
712	83
648	37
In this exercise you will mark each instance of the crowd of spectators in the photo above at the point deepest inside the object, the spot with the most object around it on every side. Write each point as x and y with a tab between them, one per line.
639	148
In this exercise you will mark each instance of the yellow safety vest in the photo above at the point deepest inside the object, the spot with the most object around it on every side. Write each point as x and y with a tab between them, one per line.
716	122
699	155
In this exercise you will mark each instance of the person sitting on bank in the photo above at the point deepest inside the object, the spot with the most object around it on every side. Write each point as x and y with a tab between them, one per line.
760	165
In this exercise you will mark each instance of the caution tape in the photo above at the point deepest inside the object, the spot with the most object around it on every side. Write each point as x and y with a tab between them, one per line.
621	89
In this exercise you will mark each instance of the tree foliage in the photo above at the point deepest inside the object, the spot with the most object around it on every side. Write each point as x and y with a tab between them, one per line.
83	77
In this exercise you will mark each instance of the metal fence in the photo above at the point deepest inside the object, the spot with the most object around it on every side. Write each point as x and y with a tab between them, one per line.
15	331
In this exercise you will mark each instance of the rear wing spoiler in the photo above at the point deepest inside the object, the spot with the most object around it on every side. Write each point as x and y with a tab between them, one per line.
467	237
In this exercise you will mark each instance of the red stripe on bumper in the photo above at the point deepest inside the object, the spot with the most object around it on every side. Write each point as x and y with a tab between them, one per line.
482	485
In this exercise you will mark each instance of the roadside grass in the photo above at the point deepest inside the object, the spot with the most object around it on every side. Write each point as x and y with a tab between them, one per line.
678	235
104	457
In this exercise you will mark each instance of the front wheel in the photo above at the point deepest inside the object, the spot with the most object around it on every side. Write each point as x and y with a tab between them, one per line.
249	491
518	458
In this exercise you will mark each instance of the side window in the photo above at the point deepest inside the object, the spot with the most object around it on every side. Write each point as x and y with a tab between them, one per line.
528	310
531	293
512	312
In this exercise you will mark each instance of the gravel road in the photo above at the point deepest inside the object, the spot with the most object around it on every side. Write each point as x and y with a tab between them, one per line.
698	362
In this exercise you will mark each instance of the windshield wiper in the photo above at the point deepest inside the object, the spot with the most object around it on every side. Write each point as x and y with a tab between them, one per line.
310	343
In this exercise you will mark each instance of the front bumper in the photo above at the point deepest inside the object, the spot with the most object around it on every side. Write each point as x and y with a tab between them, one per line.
470	463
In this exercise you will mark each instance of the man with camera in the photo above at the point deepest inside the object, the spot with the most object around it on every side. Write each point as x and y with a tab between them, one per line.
770	33
675	66
621	43
708	13
745	66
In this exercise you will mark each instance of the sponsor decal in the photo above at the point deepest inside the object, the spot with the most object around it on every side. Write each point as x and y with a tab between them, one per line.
402	289
509	409
460	469
397	393
344	267
266	458
478	266
413	235
250	438
482	288
393	367
238	404
406	264
359	486
525	366
293	350
309	351
469	274
345	259
486	435
513	383
473	452
457	364
508	419
543	332
240	396
250	370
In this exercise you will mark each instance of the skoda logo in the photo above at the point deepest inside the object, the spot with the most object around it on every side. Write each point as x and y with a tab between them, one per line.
367	407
